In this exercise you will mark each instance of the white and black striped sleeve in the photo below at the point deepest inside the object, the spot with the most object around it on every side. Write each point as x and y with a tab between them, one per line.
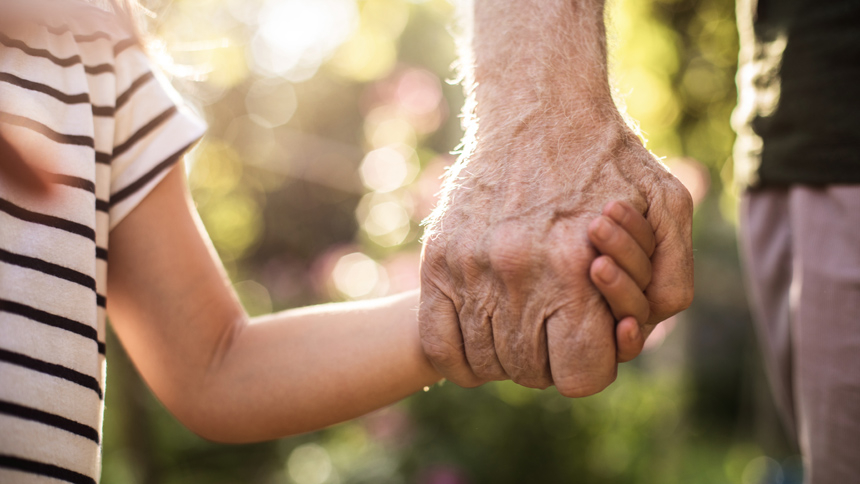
153	129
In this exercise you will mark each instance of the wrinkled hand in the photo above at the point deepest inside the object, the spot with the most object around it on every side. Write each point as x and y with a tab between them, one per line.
505	268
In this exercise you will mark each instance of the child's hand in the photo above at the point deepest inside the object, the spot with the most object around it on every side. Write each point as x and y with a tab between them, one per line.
623	271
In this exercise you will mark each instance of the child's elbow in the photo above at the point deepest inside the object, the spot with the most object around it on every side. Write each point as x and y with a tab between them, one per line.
207	415
212	426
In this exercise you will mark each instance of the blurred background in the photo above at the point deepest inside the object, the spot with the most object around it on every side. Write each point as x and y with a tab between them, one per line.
331	122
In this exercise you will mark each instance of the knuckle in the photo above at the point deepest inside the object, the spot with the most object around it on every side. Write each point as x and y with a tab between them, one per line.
679	197
433	259
449	264
567	256
463	250
455	256
434	248
510	251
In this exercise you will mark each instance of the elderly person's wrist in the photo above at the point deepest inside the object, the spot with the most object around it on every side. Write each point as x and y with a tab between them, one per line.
547	59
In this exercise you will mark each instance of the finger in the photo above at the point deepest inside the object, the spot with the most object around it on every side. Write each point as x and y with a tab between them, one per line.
580	330
613	241
629	339
633	223
582	350
439	327
519	335
622	294
477	331
627	303
521	342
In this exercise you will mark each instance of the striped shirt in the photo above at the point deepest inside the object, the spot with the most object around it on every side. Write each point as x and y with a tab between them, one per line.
79	96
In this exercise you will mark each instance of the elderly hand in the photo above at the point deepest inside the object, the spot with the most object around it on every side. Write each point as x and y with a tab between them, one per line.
505	284
505	269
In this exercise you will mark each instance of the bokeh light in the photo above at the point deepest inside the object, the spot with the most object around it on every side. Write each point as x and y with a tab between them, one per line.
271	104
358	276
309	464
296	36
389	168
384	127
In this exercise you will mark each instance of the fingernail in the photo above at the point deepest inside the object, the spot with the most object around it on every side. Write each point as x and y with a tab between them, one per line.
602	231
617	212
634	335
606	271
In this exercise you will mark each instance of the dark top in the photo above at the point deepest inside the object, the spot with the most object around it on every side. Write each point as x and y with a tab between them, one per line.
804	74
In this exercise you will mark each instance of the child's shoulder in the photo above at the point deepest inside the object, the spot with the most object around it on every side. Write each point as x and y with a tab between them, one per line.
78	21
88	21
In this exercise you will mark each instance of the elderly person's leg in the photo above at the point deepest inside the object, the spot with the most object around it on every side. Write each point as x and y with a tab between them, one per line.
766	247
825	226
802	252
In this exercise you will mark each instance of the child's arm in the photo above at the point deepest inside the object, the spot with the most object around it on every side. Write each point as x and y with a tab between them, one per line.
623	271
232	379
17	168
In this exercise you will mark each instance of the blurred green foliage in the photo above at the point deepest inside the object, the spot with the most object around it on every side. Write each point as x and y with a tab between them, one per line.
330	124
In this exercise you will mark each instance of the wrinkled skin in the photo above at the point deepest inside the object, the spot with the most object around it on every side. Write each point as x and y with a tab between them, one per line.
505	266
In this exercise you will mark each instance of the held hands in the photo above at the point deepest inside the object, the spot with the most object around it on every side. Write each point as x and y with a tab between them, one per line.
507	266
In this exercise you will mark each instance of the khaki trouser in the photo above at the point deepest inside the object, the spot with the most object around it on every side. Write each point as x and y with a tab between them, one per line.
801	248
